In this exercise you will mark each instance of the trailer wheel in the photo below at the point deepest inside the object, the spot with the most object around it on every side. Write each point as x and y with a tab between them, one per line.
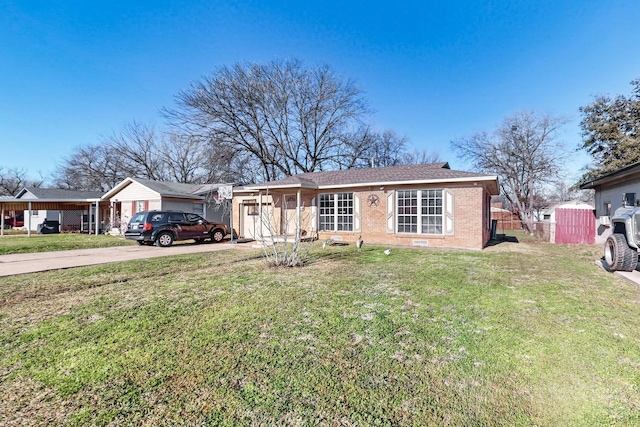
618	255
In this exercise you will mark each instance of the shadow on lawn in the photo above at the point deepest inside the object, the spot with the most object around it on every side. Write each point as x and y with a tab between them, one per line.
502	238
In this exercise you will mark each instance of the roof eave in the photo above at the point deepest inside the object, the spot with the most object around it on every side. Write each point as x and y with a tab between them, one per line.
411	182
483	178
278	187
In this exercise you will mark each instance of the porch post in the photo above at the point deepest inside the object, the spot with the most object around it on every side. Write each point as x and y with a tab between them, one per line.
260	211
89	222
299	209
97	217
2	221
29	224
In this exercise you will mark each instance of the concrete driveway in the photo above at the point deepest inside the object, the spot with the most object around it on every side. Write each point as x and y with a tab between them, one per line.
43	261
632	276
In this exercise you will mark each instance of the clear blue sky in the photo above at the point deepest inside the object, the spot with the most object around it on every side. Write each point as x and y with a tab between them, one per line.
71	71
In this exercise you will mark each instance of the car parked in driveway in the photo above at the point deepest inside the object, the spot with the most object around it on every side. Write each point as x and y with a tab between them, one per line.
14	221
162	228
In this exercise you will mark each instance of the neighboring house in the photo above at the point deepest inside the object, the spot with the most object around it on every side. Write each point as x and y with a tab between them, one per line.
411	205
135	195
608	195
74	210
609	190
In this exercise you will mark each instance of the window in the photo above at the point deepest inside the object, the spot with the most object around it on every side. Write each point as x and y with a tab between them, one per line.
176	217
194	218
198	208
420	211
408	211
139	206
336	212
157	217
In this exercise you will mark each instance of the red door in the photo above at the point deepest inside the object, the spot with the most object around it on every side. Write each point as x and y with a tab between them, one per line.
575	226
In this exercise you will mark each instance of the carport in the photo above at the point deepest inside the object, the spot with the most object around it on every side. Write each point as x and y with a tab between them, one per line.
17	204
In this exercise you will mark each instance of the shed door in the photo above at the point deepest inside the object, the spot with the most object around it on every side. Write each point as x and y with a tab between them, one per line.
575	226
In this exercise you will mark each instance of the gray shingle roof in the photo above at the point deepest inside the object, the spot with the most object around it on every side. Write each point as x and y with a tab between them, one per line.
395	174
62	194
174	189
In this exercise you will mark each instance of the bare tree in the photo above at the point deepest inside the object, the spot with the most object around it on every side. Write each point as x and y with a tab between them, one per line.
563	191
139	151
288	118
13	180
525	154
420	157
91	168
284	250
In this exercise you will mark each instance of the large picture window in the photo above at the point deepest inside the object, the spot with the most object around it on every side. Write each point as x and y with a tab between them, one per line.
420	211
335	212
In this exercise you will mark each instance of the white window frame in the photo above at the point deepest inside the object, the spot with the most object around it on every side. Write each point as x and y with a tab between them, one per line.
424	209
336	212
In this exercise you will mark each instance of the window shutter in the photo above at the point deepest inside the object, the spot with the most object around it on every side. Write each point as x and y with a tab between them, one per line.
133	208
146	205
391	212
356	213
448	212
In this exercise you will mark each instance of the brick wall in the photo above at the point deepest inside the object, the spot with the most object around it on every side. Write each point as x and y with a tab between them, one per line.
471	227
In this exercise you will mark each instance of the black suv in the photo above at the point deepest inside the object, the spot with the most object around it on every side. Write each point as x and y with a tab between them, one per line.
165	227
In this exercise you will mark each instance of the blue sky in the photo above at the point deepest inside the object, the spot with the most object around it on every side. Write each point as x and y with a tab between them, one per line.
72	71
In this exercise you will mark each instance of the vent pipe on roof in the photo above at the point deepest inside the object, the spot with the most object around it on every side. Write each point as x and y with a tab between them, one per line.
373	162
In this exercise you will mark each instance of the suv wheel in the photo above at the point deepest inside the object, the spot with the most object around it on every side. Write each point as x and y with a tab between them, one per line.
164	239
618	255
217	235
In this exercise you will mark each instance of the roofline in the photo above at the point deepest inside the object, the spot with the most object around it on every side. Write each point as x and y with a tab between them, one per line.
15	200
118	187
612	176
370	184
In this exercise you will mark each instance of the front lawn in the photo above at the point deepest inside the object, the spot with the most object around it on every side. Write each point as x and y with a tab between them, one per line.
520	334
20	244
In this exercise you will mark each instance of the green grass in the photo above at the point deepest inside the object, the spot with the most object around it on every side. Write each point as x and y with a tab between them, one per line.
18	244
517	335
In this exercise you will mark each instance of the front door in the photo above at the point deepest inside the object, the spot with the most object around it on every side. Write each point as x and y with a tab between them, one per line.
289	214
250	221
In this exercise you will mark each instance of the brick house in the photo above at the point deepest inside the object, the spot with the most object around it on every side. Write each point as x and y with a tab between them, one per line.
411	205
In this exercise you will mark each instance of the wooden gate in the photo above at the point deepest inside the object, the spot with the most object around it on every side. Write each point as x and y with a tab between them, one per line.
575	226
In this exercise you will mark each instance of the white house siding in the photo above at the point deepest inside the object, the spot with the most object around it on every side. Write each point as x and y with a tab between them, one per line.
611	194
132	193
135	191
